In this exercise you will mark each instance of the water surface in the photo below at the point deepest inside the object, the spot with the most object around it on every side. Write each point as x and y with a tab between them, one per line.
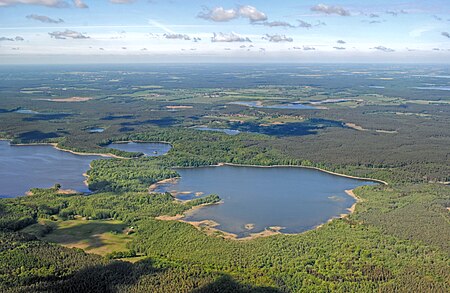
224	130
152	149
292	106
298	199
25	167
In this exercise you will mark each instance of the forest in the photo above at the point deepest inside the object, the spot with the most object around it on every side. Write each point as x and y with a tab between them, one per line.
396	240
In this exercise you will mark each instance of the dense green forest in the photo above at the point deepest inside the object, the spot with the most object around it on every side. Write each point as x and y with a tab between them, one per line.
397	240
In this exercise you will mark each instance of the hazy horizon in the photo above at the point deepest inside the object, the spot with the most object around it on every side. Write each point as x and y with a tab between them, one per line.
127	31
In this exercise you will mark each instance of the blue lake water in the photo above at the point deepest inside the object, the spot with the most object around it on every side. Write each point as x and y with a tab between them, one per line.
298	199
151	149
224	130
437	88
96	130
292	106
25	167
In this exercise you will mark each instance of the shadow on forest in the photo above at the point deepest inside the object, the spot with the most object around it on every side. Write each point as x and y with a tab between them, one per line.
37	135
226	284
163	122
102	278
122	276
46	117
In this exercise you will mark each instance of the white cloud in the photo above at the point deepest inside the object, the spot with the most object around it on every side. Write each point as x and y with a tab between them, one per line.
67	34
228	38
322	8
383	48
177	37
220	14
252	13
79	4
277	38
45	19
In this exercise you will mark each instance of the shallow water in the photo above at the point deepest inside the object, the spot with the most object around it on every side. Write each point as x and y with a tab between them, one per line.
151	149
298	199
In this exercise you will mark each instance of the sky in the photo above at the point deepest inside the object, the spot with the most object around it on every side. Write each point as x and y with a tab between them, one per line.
166	31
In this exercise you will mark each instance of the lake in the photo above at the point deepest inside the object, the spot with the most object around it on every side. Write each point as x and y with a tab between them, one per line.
298	199
151	149
25	167
224	130
291	106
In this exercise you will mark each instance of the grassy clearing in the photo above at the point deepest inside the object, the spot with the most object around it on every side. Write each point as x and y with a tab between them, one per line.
93	236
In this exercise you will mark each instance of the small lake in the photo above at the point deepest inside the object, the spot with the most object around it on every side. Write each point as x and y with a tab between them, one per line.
151	149
25	167
437	88
224	130
96	130
291	106
298	199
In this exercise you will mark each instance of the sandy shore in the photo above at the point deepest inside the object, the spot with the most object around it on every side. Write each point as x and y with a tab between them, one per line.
155	186
209	227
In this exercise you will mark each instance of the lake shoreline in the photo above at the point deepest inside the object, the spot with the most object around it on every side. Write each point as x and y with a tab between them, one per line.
55	145
289	166
209	227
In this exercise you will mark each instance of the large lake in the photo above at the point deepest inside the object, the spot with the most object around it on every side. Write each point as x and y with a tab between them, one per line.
25	167
298	199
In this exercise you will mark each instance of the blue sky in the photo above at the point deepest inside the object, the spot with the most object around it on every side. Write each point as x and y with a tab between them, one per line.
72	31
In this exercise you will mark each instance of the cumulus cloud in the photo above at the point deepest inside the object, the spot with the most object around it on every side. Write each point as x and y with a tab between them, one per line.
177	37
220	14
79	4
67	34
341	42
383	48
322	8
446	34
252	13
17	39
277	38
43	18
228	38
48	3
339	48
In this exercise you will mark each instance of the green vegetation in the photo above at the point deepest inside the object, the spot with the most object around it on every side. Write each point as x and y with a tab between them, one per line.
397	240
